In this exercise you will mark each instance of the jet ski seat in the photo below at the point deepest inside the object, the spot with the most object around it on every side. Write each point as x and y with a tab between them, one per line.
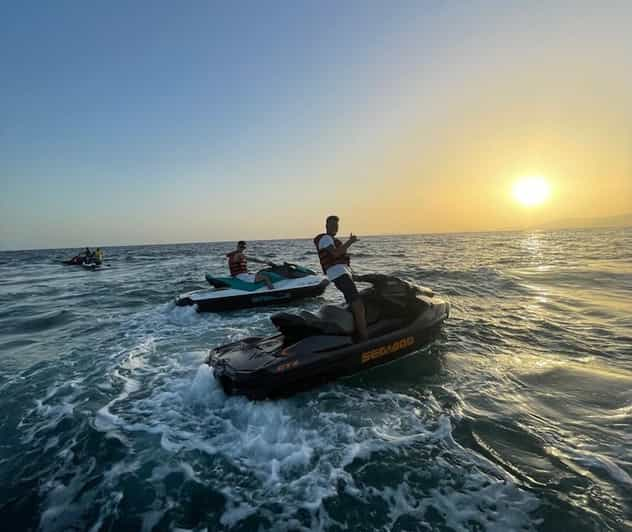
335	316
330	320
384	313
222	283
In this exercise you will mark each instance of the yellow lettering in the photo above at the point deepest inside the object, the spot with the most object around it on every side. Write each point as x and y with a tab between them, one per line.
379	352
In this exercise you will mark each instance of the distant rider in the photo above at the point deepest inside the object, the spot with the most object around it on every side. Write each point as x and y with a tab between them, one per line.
98	256
238	266
82	258
335	262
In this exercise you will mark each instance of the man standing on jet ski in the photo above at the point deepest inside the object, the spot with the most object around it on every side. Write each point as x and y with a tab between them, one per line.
335	262
238	266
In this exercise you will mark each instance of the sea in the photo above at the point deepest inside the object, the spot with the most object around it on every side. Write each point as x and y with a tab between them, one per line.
517	417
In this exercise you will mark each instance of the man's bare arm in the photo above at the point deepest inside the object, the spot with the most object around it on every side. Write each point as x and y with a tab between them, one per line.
341	250
260	261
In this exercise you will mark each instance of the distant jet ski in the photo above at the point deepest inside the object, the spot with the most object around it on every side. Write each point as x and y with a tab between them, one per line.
81	261
88	260
290	282
315	348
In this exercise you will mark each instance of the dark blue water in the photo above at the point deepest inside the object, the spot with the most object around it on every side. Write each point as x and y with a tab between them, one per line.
519	416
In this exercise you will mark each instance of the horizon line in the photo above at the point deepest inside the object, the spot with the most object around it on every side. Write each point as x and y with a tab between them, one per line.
514	230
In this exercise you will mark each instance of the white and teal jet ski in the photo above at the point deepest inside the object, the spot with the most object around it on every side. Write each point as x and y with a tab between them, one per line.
290	282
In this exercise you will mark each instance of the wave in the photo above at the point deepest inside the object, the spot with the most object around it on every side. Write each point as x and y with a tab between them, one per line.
111	420
43	322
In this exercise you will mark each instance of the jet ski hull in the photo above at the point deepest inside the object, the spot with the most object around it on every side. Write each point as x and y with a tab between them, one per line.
266	367
224	300
86	265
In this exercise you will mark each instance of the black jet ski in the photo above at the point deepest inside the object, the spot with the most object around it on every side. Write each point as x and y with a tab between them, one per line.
315	348
90	263
289	281
81	261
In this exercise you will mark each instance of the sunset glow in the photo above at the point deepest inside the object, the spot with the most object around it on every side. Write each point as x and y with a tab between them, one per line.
531	191
229	127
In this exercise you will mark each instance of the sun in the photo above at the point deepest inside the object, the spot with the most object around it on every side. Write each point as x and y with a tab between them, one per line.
531	191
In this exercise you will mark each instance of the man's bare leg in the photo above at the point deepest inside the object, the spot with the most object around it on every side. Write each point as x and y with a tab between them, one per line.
359	316
263	277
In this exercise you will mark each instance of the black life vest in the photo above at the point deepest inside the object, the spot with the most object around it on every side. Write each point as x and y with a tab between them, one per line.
237	265
327	260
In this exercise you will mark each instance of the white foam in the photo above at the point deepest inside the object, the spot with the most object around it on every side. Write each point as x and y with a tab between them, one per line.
166	407
204	388
182	315
104	420
109	508
236	513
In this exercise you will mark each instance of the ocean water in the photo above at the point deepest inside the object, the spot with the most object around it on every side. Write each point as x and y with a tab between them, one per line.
518	417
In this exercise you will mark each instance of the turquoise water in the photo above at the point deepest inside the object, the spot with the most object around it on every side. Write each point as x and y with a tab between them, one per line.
518	417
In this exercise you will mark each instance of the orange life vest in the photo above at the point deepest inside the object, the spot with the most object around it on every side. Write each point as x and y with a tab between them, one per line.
327	260
237	265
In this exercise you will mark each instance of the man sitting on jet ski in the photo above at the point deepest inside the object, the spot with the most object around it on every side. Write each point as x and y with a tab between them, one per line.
335	262
238	266
80	258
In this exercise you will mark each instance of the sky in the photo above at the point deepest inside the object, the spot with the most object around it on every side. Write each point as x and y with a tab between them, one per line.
159	122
